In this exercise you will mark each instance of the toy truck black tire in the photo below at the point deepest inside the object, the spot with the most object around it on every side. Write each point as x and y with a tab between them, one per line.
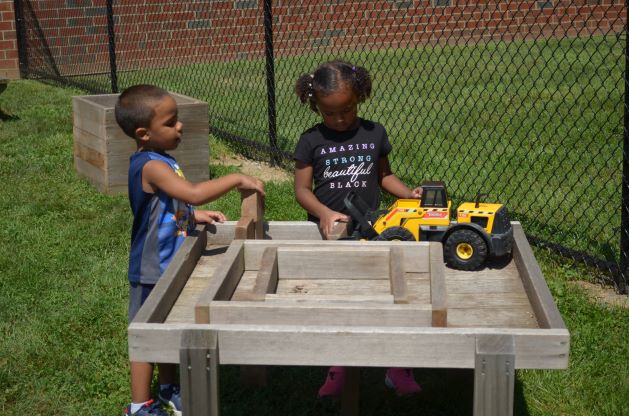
396	234
465	250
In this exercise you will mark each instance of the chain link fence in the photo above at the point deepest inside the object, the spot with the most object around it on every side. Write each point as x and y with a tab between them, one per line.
522	101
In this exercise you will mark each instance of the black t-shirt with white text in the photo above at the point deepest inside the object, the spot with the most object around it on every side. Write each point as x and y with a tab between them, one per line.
344	161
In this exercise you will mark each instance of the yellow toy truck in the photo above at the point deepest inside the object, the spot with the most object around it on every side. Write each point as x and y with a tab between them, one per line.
480	230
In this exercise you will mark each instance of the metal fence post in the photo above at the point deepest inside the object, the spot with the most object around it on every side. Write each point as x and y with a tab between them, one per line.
270	78
112	46
20	30
624	226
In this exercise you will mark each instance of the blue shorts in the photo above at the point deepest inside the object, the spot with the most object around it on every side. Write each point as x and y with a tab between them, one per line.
138	293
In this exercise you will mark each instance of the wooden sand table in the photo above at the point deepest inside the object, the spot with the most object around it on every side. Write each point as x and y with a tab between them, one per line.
293	299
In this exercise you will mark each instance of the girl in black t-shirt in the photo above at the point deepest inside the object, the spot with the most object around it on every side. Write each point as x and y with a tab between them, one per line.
341	154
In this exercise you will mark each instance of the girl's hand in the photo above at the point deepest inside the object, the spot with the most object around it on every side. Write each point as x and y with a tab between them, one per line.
416	193
209	217
327	220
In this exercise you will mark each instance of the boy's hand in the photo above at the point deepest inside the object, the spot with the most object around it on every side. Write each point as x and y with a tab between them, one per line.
249	182
209	217
327	220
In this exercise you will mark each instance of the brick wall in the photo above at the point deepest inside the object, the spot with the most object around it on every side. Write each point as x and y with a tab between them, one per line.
70	36
8	44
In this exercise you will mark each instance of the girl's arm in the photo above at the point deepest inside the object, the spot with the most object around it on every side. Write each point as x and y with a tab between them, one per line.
392	184
157	175
307	199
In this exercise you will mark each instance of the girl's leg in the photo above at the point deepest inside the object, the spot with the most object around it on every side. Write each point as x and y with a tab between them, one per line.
402	380
334	382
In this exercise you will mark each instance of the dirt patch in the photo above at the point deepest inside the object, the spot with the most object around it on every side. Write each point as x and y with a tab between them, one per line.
261	170
604	295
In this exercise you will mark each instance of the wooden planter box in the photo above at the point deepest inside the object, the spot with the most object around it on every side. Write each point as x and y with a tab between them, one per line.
293	299
102	150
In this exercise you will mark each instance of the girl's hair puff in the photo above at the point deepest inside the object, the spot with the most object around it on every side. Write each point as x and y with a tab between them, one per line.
328	78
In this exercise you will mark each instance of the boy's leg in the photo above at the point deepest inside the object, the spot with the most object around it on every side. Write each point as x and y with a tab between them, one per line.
169	392
141	375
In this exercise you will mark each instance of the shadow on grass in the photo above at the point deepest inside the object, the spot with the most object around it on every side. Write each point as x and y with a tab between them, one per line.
293	391
8	117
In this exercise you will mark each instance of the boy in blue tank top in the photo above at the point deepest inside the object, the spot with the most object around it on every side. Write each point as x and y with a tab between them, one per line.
161	200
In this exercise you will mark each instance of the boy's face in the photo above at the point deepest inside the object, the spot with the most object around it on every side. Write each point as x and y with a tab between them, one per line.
165	130
339	110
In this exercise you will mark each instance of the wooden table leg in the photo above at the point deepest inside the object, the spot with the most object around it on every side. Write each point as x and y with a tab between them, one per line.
494	375
198	359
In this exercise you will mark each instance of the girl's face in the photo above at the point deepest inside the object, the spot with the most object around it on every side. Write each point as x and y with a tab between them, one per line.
339	109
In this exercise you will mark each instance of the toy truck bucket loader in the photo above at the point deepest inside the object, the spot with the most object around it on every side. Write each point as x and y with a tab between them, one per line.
480	230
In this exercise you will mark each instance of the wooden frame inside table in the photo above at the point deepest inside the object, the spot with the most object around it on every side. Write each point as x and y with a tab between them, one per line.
261	302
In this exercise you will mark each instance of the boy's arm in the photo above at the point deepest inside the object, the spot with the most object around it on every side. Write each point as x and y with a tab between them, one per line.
157	175
209	217
392	184
307	199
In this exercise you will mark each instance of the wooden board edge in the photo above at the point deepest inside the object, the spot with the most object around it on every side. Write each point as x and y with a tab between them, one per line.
223	282
406	347
542	302
171	283
157	343
267	277
438	291
245	228
397	279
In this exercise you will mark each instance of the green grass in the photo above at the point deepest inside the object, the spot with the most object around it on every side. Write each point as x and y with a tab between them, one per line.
63	299
534	124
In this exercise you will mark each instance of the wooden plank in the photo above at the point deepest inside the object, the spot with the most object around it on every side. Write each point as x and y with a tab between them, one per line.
488	300
333	262
89	140
87	116
172	281
245	228
415	253
157	343
244	290
299	298
199	372
508	316
534	283
221	233
223	282
348	314
335	287
183	309
252	206
461	283
266	279
363	346
418	286
342	345
292	230
94	175
396	275
339	231
494	375
438	292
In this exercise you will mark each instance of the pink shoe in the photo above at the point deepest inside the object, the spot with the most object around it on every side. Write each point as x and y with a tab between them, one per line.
334	383
402	380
